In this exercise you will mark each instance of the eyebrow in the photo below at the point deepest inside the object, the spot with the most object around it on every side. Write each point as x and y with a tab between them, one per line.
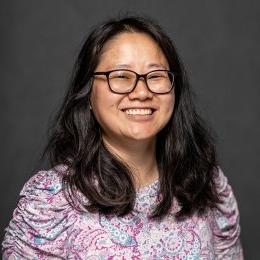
156	65
151	65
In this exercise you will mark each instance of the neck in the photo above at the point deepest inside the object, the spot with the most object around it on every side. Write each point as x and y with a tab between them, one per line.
140	155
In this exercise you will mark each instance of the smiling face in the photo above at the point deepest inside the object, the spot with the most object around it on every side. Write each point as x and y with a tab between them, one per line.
141	114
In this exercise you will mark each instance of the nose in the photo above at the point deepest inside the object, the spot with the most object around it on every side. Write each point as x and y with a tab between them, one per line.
141	91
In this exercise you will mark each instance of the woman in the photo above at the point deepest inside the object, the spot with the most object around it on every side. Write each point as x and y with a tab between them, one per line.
134	172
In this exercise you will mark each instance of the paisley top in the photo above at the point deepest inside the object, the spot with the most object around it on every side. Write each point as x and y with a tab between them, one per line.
46	226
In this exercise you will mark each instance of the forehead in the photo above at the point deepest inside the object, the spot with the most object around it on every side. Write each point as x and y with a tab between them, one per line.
129	47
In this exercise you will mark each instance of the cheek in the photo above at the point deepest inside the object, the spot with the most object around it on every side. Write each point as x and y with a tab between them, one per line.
99	98
169	106
96	102
104	103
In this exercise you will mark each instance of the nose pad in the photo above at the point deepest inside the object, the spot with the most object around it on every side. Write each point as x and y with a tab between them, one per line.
141	90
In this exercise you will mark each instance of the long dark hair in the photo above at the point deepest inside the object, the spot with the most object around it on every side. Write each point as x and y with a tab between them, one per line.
185	151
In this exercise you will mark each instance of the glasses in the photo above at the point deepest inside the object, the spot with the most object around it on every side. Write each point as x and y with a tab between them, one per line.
125	81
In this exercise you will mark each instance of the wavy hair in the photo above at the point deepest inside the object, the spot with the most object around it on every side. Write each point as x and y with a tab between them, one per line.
185	150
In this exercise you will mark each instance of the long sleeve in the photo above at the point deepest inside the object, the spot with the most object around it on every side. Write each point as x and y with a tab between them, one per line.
226	228
40	223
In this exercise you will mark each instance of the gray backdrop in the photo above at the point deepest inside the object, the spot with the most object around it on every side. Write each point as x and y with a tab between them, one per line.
217	40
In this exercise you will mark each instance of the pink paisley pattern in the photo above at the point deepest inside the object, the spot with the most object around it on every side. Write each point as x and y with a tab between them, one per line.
45	226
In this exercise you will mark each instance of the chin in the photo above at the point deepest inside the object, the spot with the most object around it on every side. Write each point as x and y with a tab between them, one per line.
142	137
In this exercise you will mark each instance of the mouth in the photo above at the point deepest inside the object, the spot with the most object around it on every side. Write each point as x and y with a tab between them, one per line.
139	111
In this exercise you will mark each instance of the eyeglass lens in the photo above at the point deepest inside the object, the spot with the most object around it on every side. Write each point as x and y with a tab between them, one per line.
123	81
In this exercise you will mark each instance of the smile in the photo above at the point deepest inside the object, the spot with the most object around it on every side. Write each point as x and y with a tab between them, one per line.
138	111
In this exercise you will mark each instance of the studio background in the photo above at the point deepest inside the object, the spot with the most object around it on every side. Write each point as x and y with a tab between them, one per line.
218	42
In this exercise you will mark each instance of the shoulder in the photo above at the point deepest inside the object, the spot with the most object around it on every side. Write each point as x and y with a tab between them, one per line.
45	182
42	217
228	205
225	220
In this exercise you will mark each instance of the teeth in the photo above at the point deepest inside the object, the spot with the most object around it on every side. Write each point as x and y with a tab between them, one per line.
146	111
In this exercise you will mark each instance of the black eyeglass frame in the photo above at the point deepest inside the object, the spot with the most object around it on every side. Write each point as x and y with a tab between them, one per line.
138	76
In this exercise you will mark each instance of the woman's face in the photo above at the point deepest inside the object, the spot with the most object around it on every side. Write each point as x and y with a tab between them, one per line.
140	53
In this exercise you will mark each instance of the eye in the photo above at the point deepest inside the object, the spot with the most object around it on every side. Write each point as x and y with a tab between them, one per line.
157	76
123	75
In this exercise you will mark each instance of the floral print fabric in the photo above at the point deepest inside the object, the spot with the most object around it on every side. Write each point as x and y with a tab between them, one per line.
45	226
